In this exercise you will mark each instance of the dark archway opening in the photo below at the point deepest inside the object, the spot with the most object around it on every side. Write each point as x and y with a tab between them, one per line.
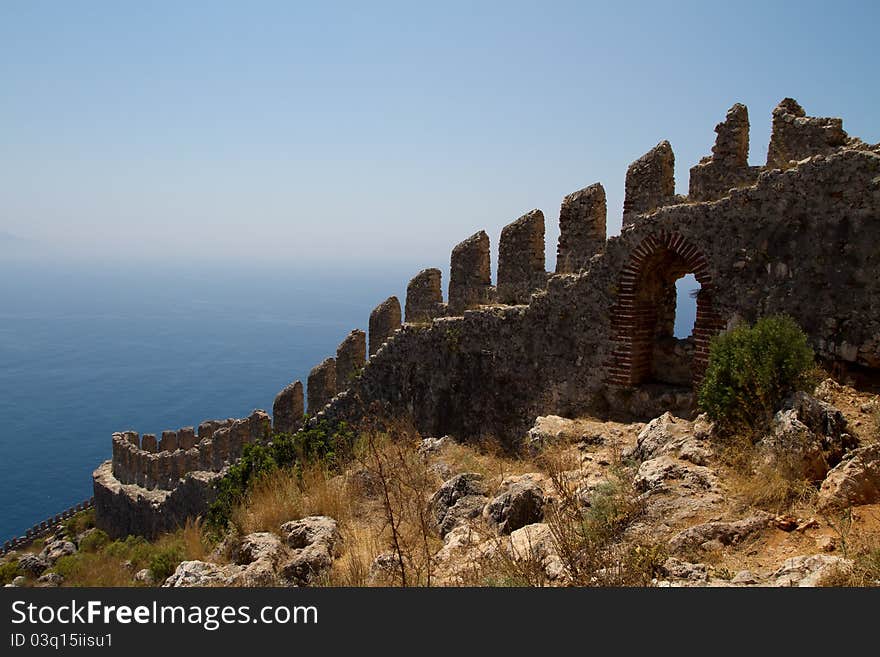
654	344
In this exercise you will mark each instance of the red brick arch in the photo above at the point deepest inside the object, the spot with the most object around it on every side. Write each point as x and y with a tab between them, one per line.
635	315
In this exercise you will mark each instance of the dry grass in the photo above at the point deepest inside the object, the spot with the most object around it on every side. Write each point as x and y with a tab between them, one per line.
774	485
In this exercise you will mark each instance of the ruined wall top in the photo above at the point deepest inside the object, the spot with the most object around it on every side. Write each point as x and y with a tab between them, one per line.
582	229
384	321
321	386
732	143
521	259
470	276
141	461
796	136
650	182
351	354
424	296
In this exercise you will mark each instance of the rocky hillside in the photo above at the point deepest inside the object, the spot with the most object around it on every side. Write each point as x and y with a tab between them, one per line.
590	502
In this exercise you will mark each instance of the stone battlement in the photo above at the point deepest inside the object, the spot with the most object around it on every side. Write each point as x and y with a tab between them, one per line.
797	236
150	463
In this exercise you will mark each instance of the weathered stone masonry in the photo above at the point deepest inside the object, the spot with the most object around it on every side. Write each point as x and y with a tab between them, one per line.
581	229
521	259
384	321
800	237
803	241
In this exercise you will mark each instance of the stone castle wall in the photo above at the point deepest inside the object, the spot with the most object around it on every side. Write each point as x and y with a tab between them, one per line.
798	237
152	464
800	241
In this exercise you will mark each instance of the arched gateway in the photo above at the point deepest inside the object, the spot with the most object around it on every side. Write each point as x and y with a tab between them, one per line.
643	317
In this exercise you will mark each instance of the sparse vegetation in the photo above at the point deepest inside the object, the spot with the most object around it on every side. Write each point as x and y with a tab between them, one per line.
750	371
324	444
9	571
102	562
78	523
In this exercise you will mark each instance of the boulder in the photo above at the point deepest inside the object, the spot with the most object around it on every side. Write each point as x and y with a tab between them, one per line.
316	541
719	533
49	580
670	435
653	474
520	503
145	577
33	564
21	580
458	500
311	530
385	570
811	432
697	572
200	574
433	445
535	543
808	570
856	480
260	545
53	551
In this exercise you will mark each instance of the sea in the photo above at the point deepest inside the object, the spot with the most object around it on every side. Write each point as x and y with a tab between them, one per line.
87	349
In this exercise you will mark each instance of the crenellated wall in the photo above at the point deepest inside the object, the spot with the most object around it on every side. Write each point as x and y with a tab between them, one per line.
140	461
802	241
800	237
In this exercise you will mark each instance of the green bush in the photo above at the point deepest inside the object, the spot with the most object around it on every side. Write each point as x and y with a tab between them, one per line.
79	523
326	443
9	571
165	562
94	542
750	371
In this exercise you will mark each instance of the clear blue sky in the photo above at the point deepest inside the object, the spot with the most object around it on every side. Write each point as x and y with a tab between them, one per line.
280	131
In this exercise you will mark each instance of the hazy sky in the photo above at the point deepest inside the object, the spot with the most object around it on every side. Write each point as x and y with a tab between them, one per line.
280	131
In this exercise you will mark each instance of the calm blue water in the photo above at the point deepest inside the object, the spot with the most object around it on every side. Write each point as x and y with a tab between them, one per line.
85	351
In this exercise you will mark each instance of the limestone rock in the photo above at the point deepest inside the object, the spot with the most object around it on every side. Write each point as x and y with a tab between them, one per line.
685	570
535	543
316	541
259	545
144	576
310	530
49	580
19	581
384	569
200	574
458	500
810	431
808	570
521	503
725	533
653	474
856	480
33	564
53	551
